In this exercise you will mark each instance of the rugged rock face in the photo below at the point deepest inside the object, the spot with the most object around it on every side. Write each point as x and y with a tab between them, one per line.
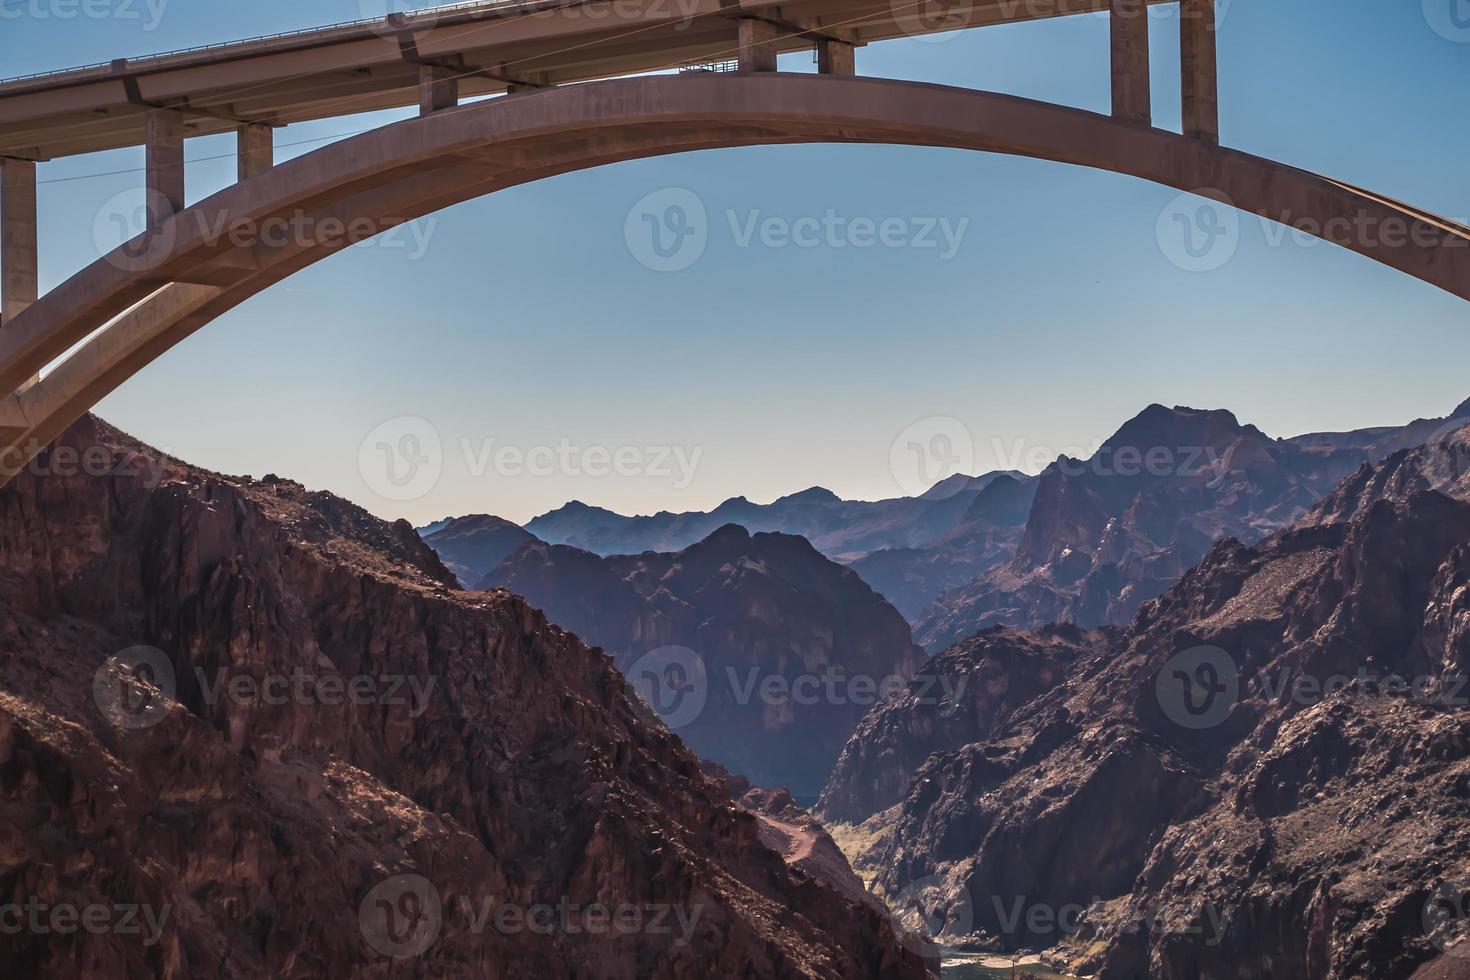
471	546
1108	533
1265	775
965	694
444	774
801	839
985	537
773	651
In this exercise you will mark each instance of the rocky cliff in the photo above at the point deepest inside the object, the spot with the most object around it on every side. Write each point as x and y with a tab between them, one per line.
774	651
250	731
985	537
1265	775
1108	533
963	695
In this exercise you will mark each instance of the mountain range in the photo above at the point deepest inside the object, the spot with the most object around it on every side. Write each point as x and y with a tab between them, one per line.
1086	541
840	529
1264	774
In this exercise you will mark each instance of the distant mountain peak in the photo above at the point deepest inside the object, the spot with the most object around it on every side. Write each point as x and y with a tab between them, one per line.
726	535
811	495
474	521
960	482
1463	411
1181	425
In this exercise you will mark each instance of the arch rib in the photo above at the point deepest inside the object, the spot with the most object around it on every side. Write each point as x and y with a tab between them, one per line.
190	269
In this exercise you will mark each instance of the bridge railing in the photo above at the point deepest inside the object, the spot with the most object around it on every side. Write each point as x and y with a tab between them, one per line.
407	18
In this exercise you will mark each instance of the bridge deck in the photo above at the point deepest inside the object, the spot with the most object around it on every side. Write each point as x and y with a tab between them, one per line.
371	65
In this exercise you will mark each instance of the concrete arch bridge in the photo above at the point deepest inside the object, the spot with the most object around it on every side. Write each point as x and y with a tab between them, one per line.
193	263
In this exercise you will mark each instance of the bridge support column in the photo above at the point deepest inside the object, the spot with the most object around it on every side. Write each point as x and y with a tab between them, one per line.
1131	95
257	150
17	237
836	58
165	154
757	44
438	89
1198	70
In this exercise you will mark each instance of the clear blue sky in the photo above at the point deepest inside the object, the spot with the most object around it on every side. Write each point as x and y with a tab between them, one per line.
528	319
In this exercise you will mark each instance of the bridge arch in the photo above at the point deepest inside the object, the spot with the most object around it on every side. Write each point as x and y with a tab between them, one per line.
158	289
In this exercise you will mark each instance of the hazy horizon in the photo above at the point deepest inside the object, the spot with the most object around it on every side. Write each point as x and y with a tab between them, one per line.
1025	462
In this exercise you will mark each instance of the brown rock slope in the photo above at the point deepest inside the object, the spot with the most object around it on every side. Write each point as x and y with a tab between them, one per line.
963	695
784	648
1240	784
313	835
